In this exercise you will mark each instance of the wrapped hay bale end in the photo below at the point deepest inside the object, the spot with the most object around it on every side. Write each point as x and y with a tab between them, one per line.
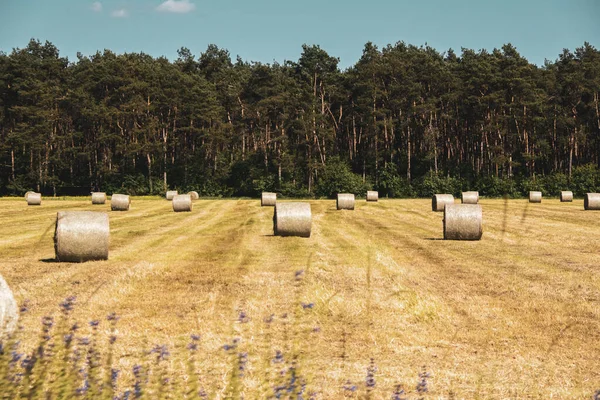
9	312
463	222
566	196
170	194
98	197
119	202
182	202
372	195
27	194
535	197
469	197
439	201
268	199
345	201
194	195
34	199
81	236
591	201
292	219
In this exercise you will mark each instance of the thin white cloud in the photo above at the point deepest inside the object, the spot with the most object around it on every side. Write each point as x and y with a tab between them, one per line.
120	13
96	6
176	6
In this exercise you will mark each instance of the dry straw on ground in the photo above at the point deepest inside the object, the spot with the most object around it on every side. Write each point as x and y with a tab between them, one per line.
119	202
34	199
535	197
292	219
8	309
345	201
463	222
372	195
470	197
439	201
98	197
170	194
182	202
194	195
81	236
566	196
591	201
268	199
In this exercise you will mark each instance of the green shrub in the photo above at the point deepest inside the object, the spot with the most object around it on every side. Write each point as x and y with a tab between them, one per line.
336	177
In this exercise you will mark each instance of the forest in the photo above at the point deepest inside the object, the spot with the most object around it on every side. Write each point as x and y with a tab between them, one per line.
405	120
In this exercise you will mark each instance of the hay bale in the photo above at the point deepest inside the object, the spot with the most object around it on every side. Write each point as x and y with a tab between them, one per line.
9	312
535	197
566	196
119	202
182	202
98	197
345	201
27	194
469	197
372	195
591	201
34	199
292	219
81	236
195	195
463	222
170	194
439	201
268	199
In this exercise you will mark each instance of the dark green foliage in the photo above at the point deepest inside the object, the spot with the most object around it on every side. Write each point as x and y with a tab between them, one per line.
336	177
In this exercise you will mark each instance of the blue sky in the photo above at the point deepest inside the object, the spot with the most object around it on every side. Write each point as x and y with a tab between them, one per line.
274	30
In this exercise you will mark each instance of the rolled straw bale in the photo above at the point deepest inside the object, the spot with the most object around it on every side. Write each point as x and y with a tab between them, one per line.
27	194
34	199
195	195
535	197
292	219
345	201
81	236
439	201
9	313
469	197
268	199
182	202
98	197
463	222
372	195
566	196
170	194
119	202
591	201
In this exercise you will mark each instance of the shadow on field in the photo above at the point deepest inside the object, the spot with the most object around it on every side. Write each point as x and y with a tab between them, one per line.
48	260
433	239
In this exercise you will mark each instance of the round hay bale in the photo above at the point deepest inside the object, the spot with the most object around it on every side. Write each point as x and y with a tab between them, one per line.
98	197
170	194
372	195
182	202
292	219
119	202
9	312
34	199
195	195
463	222
469	197
591	201
345	201
268	199
566	196
27	194
535	197
439	201
81	236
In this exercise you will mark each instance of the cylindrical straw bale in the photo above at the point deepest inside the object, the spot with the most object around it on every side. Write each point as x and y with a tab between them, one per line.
34	199
170	194
182	202
463	222
195	195
439	201
591	201
81	236
470	197
292	219
8	310
345	201
27	194
98	197
268	199
372	195
119	202
535	197
566	196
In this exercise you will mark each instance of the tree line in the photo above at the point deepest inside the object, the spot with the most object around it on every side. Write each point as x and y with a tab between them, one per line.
405	120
